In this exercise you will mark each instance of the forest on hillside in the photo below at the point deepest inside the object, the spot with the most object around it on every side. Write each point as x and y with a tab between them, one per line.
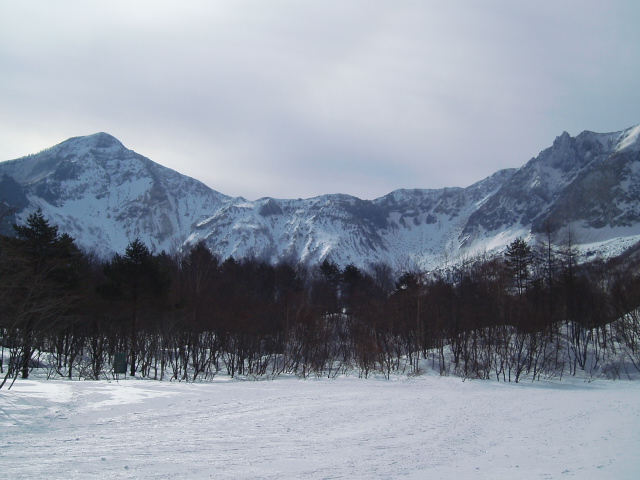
538	311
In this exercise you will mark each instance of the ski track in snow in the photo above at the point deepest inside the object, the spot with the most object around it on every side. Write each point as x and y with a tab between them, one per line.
417	428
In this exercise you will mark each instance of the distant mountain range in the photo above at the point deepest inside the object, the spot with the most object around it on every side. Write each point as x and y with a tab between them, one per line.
105	195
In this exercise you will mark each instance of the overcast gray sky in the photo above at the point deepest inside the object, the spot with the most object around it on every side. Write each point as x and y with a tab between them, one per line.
293	98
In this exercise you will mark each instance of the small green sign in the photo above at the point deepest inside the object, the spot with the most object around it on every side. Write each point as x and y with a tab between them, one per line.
120	363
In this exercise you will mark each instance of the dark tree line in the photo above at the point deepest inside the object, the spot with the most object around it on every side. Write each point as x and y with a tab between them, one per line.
537	311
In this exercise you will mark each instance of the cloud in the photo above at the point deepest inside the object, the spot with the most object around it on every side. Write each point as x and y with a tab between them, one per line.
295	99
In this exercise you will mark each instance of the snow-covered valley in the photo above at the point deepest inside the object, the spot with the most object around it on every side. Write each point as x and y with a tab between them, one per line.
345	428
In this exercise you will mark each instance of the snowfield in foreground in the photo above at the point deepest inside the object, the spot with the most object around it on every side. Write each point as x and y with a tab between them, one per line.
425	427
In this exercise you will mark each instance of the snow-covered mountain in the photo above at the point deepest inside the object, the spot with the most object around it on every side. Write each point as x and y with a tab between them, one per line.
105	195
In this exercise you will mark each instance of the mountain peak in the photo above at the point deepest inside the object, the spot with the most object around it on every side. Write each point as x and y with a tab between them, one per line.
103	138
95	140
629	139
562	137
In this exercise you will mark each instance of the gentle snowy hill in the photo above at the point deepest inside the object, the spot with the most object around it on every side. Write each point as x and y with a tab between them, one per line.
105	195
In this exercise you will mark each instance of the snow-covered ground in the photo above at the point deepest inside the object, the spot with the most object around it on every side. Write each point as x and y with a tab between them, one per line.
426	427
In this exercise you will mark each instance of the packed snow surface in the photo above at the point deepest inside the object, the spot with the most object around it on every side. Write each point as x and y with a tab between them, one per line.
425	427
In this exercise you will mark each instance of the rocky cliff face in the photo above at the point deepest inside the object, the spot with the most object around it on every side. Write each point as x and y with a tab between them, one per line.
105	195
588	183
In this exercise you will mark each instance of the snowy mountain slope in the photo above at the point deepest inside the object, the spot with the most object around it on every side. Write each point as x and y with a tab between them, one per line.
306	230
605	193
588	183
104	195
